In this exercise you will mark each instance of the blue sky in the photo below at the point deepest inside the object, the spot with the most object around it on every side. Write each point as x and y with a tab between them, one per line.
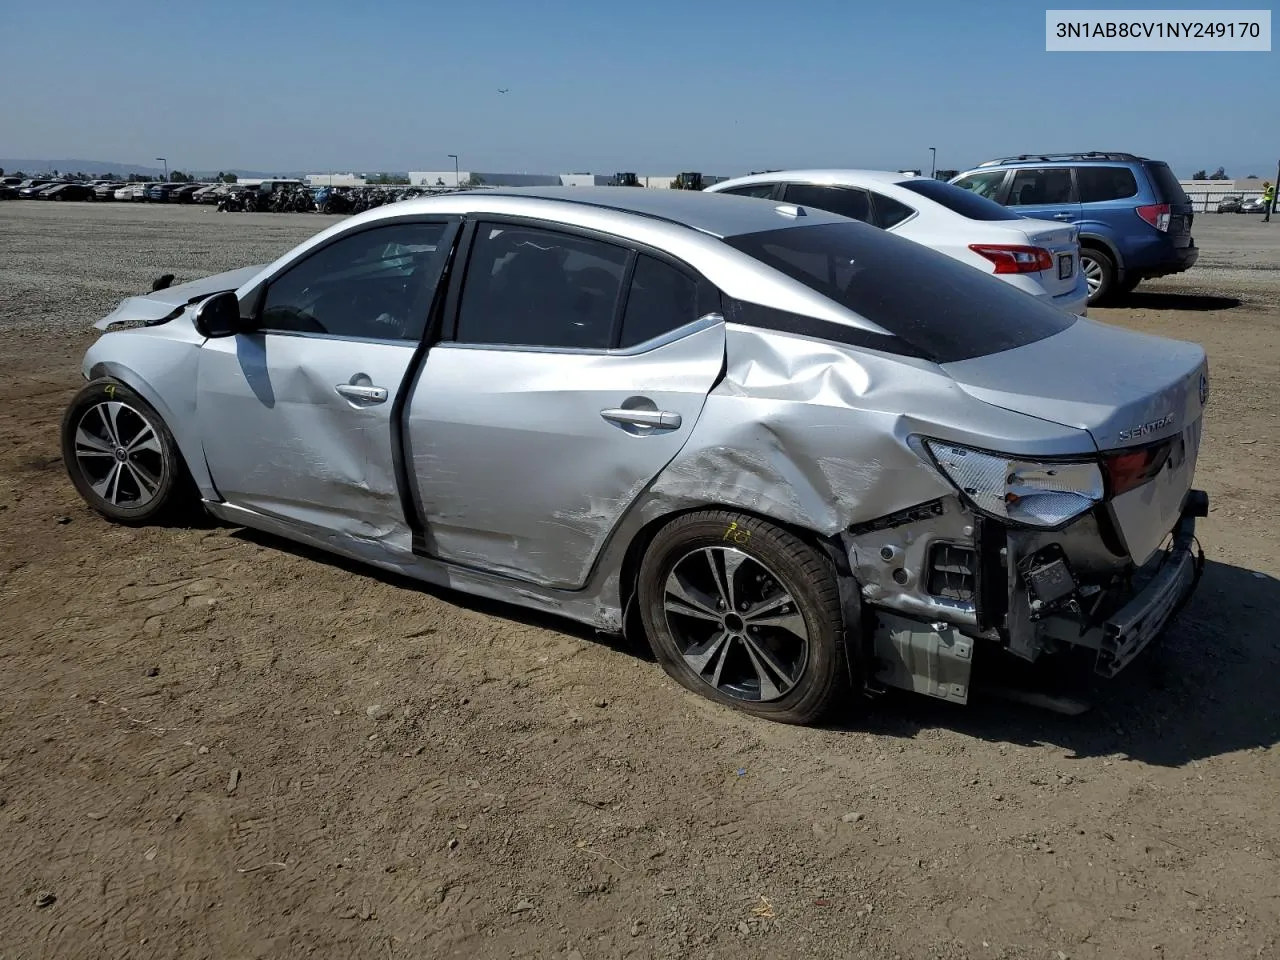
654	87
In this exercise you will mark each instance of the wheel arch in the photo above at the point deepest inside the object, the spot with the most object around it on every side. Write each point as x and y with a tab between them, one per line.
633	556
189	447
1106	246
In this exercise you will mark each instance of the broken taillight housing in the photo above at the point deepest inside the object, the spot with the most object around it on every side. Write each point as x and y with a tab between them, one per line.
1031	492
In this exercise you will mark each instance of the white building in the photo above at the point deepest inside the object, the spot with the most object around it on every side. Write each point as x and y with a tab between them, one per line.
336	180
450	178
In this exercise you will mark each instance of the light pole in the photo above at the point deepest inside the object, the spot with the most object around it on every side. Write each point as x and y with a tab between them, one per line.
933	161
457	177
165	161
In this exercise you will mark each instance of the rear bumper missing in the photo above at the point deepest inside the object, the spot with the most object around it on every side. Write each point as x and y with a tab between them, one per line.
1127	632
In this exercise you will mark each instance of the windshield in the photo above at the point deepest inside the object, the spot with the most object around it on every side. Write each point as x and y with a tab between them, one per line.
944	309
958	200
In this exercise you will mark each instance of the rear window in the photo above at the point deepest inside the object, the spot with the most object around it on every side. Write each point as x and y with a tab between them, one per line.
958	200
943	309
1166	183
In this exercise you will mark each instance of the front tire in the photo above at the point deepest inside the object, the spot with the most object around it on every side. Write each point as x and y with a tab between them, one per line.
746	614
121	456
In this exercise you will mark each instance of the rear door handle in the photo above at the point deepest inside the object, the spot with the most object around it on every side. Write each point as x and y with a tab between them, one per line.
365	394
643	418
1064	216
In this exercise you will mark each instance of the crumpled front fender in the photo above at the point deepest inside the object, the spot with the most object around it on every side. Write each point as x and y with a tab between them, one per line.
164	375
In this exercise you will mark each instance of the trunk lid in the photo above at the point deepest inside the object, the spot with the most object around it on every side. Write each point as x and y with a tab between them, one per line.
1062	242
1125	389
160	305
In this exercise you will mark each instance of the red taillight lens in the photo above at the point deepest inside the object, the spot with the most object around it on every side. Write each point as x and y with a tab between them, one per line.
1132	468
1156	214
1010	258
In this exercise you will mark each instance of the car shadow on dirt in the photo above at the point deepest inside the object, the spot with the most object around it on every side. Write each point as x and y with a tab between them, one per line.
1160	300
1204	689
544	620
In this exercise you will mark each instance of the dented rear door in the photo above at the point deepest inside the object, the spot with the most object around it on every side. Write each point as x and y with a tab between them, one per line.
526	460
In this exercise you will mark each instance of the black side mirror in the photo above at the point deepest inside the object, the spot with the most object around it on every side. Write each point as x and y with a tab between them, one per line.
219	316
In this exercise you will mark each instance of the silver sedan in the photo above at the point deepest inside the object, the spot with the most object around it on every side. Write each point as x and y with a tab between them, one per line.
805	458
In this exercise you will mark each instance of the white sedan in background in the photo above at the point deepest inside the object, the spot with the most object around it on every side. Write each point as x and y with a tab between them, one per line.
1040	257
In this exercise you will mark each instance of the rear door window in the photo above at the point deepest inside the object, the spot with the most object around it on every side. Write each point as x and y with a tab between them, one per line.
1099	184
532	287
941	308
1040	186
844	201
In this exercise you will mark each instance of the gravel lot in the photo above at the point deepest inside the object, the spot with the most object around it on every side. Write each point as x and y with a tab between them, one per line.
217	744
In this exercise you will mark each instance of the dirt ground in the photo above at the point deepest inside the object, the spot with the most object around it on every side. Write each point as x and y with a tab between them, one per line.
216	744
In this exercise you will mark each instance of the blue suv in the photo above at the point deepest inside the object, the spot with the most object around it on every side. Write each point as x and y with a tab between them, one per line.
1133	217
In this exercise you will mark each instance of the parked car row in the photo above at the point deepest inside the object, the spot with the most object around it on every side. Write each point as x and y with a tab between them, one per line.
274	195
52	188
151	191
1238	203
44	188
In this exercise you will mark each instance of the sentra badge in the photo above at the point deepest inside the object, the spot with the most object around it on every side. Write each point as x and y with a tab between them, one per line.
1139	430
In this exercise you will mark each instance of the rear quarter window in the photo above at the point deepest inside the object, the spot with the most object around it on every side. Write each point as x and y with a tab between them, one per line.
944	310
1099	184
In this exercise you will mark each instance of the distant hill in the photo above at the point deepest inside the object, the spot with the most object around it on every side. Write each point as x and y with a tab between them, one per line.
73	165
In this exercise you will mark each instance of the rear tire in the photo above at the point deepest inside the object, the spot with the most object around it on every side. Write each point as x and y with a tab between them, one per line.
1100	272
121	456
768	639
1127	285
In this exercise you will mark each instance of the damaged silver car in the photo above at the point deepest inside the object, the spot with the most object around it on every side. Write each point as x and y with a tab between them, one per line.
807	459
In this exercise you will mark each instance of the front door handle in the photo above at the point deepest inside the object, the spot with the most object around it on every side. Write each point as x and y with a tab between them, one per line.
643	418
362	393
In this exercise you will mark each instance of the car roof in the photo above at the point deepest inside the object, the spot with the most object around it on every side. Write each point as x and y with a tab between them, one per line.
1069	160
834	175
719	216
